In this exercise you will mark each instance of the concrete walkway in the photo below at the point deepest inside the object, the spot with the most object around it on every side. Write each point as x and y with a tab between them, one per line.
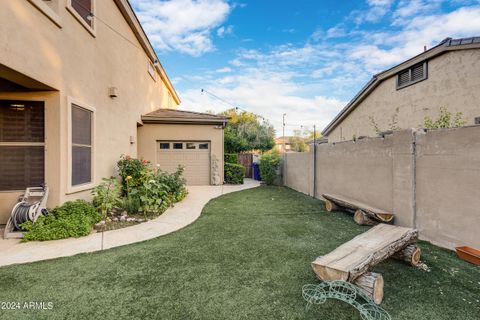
184	213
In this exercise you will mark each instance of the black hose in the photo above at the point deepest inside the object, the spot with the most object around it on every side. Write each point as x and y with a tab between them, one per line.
20	215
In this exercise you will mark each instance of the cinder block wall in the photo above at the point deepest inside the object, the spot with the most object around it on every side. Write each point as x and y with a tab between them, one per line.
429	180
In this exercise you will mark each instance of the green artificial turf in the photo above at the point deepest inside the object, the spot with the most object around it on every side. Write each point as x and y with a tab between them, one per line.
246	257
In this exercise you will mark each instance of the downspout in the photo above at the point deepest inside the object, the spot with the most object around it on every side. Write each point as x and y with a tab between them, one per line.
314	161
414	178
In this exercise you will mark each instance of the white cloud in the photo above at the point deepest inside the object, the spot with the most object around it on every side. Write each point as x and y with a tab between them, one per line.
376	11
421	31
268	94
223	31
182	25
224	70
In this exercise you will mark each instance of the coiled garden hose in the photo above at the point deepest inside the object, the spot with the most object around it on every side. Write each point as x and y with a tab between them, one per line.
20	215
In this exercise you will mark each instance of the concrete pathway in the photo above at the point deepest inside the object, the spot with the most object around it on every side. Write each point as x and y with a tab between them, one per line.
12	251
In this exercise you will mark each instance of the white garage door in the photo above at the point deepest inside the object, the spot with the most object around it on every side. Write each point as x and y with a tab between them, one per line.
193	155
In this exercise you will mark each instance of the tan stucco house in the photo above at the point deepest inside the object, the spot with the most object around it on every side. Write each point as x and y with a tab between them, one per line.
80	85
447	75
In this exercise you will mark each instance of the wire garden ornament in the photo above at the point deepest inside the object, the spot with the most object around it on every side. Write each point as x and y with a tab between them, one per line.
346	292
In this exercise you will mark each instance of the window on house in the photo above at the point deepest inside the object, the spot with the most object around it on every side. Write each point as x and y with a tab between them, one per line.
164	145
84	9
178	146
81	145
203	146
22	144
151	70
191	145
477	120
412	75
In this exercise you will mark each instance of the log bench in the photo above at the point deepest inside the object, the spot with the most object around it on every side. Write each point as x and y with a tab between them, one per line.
352	260
363	213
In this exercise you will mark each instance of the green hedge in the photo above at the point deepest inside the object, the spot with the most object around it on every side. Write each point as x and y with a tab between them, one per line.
269	163
234	173
231	158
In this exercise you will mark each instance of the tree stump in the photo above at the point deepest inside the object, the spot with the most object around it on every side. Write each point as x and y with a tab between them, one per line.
410	254
372	284
330	206
363	219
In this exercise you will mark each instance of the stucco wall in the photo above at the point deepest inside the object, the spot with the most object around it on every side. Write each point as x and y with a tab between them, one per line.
429	180
299	173
149	134
452	82
79	65
448	186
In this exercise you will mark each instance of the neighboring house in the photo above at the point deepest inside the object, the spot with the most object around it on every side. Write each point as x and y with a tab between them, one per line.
447	75
283	143
79	86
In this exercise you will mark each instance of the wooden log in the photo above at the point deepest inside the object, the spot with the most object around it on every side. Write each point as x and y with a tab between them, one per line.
372	284
330	206
345	202
355	257
363	219
410	254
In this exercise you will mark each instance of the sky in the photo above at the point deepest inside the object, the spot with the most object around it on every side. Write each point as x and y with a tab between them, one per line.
306	59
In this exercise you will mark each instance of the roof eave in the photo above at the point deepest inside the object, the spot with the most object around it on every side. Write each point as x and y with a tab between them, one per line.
154	119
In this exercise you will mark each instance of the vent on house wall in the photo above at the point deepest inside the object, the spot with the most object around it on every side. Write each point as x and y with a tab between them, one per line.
412	75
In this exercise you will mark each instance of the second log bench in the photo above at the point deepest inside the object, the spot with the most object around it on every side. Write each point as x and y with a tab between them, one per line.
363	213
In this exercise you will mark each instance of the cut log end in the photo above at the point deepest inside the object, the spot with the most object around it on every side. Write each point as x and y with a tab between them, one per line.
330	206
410	254
363	219
372	284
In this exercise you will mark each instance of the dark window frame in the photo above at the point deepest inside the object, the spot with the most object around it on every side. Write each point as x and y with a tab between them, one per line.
30	143
175	144
83	11
81	147
167	144
424	64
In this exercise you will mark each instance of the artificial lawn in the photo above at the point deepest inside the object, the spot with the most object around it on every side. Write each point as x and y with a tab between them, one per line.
246	257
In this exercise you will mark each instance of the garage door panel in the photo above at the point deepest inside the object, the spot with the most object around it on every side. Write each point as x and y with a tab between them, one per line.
195	161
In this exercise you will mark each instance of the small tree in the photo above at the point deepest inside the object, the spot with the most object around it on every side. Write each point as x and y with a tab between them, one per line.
107	195
445	120
245	131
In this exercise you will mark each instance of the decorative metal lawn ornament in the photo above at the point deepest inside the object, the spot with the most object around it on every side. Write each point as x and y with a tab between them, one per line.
346	292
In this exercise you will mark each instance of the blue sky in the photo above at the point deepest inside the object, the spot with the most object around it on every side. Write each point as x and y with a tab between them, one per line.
303	58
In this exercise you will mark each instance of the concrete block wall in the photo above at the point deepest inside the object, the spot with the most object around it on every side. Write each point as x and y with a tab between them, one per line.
429	180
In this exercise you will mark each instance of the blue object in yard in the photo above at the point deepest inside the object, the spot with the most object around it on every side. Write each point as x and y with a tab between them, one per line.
256	172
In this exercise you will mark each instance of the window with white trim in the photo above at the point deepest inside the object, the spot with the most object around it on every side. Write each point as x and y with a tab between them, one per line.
81	145
22	144
84	12
412	75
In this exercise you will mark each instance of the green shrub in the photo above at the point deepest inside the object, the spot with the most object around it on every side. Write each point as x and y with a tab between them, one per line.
148	190
131	204
134	172
234	173
269	163
231	158
72	219
154	197
175	183
107	195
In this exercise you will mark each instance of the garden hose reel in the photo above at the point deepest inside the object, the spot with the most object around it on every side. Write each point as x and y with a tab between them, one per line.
30	205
